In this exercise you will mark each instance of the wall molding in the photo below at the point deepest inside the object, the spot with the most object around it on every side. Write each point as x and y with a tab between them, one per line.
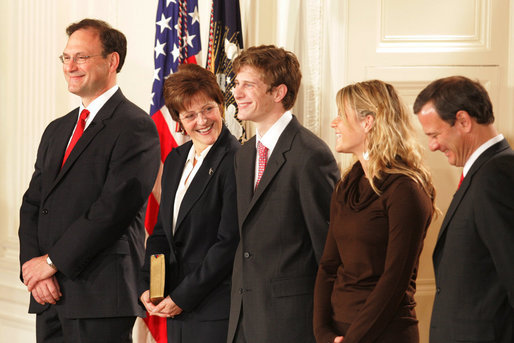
478	38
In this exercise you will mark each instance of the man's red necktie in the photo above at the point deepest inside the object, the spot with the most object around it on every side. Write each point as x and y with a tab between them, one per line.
263	160
76	135
460	181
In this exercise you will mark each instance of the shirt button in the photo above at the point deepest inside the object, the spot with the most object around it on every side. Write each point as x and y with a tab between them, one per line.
246	254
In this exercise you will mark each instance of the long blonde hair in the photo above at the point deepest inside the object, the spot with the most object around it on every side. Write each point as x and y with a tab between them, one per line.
391	144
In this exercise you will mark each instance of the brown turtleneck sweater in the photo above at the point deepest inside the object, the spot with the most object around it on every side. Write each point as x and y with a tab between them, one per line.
366	279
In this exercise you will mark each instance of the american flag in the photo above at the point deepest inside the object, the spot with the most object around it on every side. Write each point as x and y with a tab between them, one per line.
177	41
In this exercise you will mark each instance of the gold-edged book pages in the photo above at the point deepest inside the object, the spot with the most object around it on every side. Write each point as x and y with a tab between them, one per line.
157	278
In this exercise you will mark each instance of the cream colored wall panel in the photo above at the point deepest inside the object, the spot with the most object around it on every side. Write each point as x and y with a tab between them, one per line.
436	25
489	76
422	32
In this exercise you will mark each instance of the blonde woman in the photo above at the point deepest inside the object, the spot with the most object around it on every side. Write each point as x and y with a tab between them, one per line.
379	215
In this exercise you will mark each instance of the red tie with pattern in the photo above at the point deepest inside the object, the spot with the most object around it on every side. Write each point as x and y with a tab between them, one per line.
76	135
263	160
460	181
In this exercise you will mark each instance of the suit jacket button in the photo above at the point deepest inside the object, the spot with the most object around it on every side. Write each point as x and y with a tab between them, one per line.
241	291
44	211
179	244
246	254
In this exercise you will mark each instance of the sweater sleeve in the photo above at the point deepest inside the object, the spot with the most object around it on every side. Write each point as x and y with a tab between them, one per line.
409	212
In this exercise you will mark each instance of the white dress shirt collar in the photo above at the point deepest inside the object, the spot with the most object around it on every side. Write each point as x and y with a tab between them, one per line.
476	154
199	158
188	174
270	138
95	105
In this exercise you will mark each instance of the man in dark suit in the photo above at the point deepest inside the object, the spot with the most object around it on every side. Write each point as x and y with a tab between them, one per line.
283	197
474	253
81	220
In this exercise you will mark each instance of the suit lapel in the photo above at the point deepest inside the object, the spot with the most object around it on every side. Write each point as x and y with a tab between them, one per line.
275	163
245	174
173	177
60	142
91	131
203	176
466	183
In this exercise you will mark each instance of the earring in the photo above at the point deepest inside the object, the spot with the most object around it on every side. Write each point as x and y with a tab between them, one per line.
365	155
180	129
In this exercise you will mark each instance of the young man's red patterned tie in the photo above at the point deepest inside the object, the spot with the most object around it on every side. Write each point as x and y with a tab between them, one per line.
263	160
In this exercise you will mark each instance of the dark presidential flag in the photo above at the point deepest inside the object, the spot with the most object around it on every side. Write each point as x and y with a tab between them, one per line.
177	41
225	42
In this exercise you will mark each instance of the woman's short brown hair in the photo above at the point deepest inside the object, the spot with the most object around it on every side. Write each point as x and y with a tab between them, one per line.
188	82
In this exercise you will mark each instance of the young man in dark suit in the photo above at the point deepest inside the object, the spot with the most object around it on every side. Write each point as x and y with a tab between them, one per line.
81	221
285	176
473	256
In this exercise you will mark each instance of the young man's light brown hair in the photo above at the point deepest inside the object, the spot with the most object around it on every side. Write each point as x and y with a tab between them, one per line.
276	65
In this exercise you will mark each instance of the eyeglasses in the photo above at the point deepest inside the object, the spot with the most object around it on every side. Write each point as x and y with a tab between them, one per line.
79	59
206	111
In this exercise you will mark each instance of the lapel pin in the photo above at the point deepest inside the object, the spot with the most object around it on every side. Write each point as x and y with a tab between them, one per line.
211	171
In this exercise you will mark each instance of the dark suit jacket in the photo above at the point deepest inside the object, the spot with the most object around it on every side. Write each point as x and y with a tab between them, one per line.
283	228
474	255
88	216
201	253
